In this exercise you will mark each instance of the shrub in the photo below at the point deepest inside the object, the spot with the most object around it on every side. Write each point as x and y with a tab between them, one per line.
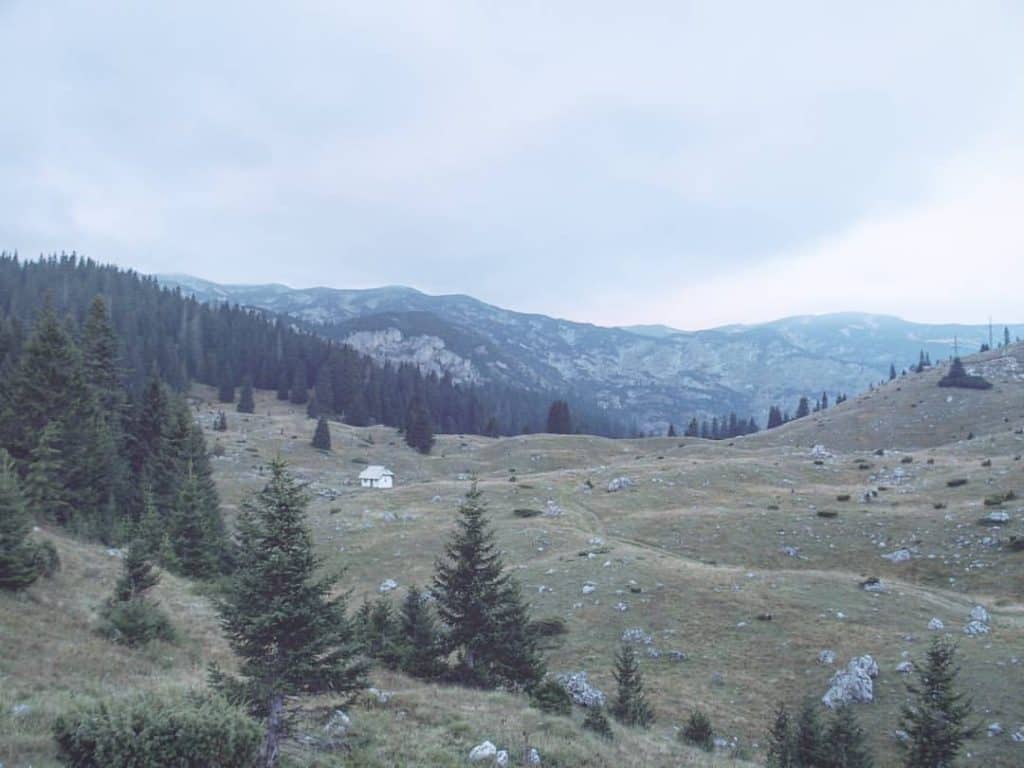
134	622
828	513
551	697
698	731
843	497
526	512
47	559
596	721
958	377
956	482
548	627
1016	544
183	730
907	460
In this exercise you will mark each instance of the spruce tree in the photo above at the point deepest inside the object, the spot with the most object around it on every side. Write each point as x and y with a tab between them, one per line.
803	408
245	399
482	607
892	371
137	575
17	552
226	387
845	743
45	492
284	384
195	542
698	731
322	435
630	707
595	720
129	617
808	747
99	359
422	651
419	431
936	719
780	740
693	428
299	393
671	430
278	613
379	633
559	418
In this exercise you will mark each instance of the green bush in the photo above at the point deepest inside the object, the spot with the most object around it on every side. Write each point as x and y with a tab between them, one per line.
551	697
526	512
828	513
47	559
698	731
181	730
134	622
551	626
843	497
956	482
596	721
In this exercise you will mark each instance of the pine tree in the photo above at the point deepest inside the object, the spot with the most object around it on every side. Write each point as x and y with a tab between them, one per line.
845	743
245	399
99	359
284	385
422	651
226	387
278	615
936	720
698	731
808	747
559	418
17	552
780	740
631	707
892	371
137	574
419	431
1006	336
322	435
45	491
693	428
482	606
299	393
774	417
671	430
824	401
803	408
195	542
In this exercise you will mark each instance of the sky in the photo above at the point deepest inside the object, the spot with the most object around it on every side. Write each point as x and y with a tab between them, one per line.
689	164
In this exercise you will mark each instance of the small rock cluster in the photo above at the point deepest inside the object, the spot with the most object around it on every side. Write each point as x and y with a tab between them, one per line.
979	622
580	690
854	684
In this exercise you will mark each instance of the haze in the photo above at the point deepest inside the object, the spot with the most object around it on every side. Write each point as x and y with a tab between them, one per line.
686	164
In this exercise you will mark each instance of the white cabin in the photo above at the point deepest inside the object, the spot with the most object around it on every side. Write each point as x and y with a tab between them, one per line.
376	476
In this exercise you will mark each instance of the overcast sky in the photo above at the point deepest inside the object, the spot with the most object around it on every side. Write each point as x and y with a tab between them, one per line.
691	164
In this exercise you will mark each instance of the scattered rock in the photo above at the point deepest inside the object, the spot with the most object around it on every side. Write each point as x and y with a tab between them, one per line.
636	635
936	624
114	552
873	584
580	690
501	759
551	509
588	587
388	585
978	613
899	556
619	484
994	729
621	607
336	729
481	752
827	657
791	551
676	656
975	628
18	710
381	697
901	736
533	756
905	667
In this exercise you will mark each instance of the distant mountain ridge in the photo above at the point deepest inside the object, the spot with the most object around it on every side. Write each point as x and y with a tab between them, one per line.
654	375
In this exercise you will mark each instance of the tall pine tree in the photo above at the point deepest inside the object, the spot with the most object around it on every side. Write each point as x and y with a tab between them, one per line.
17	552
245	399
278	613
630	707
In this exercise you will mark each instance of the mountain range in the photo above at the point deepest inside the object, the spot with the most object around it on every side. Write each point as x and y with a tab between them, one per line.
649	375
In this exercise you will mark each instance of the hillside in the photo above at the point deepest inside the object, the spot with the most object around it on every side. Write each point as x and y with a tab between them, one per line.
653	374
703	539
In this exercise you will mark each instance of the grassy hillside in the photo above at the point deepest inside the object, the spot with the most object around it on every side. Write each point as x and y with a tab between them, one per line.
705	538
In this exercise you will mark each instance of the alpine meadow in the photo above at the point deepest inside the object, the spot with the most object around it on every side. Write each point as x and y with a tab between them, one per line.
441	384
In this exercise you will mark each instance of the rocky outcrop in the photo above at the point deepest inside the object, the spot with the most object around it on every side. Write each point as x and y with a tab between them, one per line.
853	684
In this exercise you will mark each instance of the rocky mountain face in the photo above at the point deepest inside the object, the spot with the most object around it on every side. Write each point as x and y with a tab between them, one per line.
651	374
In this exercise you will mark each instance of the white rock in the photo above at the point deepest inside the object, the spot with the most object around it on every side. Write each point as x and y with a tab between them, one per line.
619	484
501	759
636	635
827	657
997	517
1018	736
899	556
533	757
621	607
975	628
580	690
388	585
588	588
905	667
936	624
854	684
978	613
481	752
994	729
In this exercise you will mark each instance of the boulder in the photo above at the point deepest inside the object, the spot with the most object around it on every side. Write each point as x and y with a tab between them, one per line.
481	752
636	635
580	690
588	588
501	759
905	667
854	684
898	556
936	624
619	484
994	729
388	585
975	628
336	729
827	657
533	757
978	613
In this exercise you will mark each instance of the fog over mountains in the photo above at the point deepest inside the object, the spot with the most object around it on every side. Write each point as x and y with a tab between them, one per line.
653	375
